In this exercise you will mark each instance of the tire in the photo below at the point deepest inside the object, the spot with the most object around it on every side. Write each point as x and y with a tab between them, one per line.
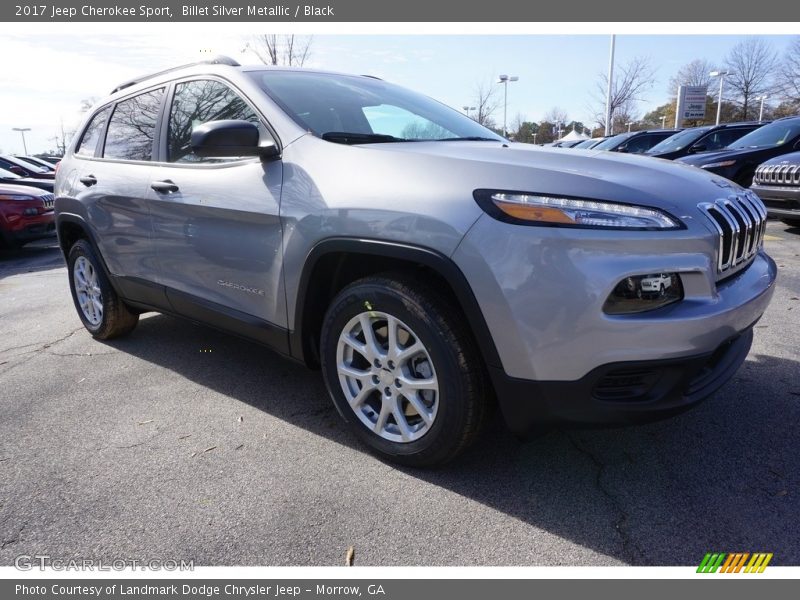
108	317
791	222
439	359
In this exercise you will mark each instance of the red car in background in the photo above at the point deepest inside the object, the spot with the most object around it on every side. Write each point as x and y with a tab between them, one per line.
26	214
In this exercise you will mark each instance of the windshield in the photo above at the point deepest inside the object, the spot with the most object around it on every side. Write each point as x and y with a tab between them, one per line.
586	143
611	142
8	174
359	110
678	141
774	134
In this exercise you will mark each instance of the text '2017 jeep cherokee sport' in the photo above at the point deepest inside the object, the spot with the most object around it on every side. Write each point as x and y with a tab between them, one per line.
426	264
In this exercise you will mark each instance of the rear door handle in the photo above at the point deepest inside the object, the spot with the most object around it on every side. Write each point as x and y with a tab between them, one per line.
164	187
88	180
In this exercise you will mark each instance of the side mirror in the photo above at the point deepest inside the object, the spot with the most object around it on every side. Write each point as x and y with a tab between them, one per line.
230	138
622	149
698	148
18	171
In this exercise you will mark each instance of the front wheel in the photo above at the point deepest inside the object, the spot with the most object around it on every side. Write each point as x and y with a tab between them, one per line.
102	312
403	370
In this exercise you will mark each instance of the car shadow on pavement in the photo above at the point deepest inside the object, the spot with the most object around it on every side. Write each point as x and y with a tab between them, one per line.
43	255
721	477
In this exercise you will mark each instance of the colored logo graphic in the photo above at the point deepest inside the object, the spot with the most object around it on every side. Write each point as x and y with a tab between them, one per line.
734	563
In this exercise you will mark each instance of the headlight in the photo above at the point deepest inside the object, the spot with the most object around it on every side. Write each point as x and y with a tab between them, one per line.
538	209
724	163
16	197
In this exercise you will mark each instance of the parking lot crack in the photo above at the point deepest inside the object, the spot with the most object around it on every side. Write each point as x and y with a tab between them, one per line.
621	521
30	354
15	539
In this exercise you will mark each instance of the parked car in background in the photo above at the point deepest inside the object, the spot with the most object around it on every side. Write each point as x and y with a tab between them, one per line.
566	143
38	162
26	214
24	169
738	161
590	143
702	139
635	142
14	179
777	183
53	160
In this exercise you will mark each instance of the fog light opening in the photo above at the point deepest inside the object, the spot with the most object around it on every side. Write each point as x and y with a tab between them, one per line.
640	293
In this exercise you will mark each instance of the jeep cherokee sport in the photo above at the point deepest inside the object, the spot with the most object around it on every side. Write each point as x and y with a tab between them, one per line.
425	264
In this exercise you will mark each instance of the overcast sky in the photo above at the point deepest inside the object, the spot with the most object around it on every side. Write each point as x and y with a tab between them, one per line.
45	77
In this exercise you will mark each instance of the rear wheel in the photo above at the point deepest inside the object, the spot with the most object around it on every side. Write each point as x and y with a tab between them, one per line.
403	370
102	312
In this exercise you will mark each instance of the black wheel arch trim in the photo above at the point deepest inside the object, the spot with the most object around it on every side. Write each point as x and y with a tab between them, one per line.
427	257
78	220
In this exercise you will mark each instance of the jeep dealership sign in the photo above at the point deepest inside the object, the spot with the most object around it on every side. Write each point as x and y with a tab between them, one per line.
692	102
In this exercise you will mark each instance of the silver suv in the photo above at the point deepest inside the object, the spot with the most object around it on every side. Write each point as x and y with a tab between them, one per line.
425	264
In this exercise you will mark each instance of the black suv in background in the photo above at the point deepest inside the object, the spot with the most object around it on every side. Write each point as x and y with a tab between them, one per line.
635	142
777	183
702	139
738	161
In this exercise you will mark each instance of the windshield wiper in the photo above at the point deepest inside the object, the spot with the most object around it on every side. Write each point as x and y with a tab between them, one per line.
348	137
472	138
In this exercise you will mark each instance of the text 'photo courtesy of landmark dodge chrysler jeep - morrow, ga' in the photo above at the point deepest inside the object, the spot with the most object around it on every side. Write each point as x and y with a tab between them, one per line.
427	266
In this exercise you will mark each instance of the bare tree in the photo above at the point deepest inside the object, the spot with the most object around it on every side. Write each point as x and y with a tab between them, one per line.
557	115
790	74
283	50
695	72
751	64
88	103
486	102
631	81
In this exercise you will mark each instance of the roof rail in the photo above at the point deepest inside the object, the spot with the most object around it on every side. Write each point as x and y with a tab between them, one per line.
214	60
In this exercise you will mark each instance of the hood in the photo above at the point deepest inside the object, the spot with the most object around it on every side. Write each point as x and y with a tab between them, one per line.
595	174
705	158
7	188
785	159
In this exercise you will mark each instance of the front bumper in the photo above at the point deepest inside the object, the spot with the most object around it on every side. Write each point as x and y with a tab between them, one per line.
542	290
620	393
29	229
781	202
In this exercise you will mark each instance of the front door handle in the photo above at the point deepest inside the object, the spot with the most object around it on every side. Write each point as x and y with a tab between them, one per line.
164	187
88	180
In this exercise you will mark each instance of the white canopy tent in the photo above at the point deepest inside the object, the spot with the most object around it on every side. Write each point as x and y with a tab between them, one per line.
573	136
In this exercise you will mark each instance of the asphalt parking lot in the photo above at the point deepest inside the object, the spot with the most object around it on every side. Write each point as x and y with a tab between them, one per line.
179	442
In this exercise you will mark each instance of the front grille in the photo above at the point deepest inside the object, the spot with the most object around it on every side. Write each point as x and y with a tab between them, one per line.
49	200
777	175
740	221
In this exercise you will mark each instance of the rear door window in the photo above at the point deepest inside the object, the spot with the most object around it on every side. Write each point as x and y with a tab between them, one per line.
132	128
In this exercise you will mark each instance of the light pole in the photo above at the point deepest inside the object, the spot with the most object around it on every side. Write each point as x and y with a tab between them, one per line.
761	110
721	75
609	126
22	131
504	79
663	120
534	138
629	126
467	109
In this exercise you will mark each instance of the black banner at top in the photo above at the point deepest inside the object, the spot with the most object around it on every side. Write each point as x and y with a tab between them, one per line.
397	11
